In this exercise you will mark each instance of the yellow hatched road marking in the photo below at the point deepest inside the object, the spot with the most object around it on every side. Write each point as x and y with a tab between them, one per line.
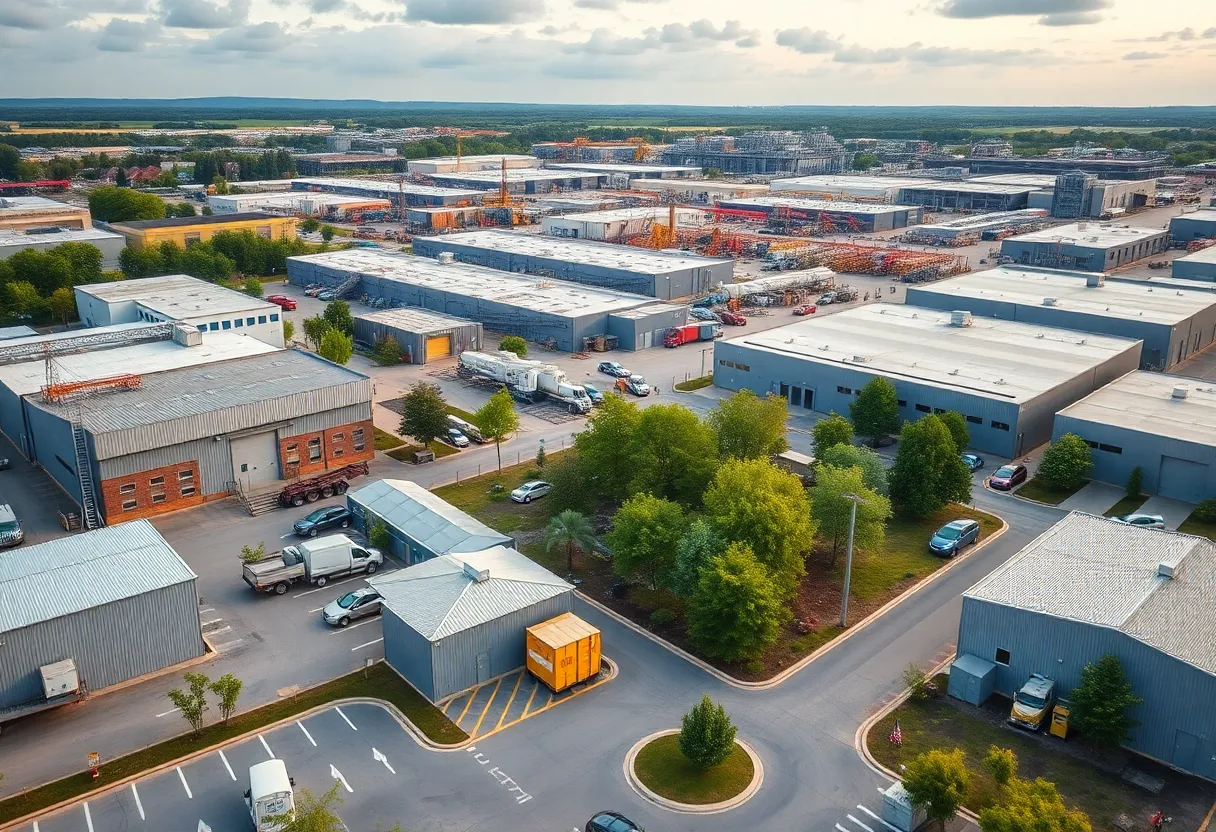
535	688
472	696
510	701
486	709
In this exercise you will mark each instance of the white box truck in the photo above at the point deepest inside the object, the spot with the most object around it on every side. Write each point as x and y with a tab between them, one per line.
270	796
316	561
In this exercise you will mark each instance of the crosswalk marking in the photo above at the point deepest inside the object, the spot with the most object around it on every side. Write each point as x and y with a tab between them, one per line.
859	823
877	818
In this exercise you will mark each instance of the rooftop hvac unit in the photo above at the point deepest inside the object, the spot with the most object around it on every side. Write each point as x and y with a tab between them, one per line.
960	317
1050	301
1095	280
860	359
1181	391
446	258
478	575
187	335
1166	570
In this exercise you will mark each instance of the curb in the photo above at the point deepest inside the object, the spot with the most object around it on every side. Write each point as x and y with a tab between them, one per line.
804	662
691	808
1014	495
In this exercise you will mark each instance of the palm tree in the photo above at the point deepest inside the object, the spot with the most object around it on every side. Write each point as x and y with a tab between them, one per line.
571	529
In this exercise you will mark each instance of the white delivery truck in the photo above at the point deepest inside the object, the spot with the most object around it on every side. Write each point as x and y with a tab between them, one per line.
270	797
528	381
316	561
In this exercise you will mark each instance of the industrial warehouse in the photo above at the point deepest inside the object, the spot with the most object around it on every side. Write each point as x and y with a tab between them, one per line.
40	239
1199	265
1172	323
967	196
830	215
617	225
1091	247
523	181
467	164
18	213
659	274
182	231
1090	587
83	634
141	445
1008	379
884	188
1105	168
397	190
1199	225
179	297
1164	425
761	152
631	171
561	314
332	206
421	335
973	227
699	191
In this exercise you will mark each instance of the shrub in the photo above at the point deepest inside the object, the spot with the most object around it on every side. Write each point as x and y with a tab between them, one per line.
662	617
1135	482
1205	512
915	681
707	736
1066	463
498	492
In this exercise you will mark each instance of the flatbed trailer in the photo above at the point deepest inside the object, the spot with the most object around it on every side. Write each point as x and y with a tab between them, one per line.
323	485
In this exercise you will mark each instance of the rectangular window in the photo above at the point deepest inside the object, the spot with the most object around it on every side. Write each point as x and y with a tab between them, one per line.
227	324
1110	449
292	455
939	410
239	322
902	402
126	488
785	390
356	437
274	317
155	481
1002	656
187	490
924	408
847	391
249	322
129	505
192	237
338	437
1000	425
213	326
261	319
747	368
723	362
314	449
336	452
158	498
1090	443
183	476
264	231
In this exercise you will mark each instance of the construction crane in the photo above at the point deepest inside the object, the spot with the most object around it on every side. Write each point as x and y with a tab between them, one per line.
641	148
503	199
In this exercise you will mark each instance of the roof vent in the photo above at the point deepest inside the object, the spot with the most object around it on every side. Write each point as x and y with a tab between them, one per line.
478	575
1166	570
1180	391
860	359
445	257
1050	301
1095	280
960	317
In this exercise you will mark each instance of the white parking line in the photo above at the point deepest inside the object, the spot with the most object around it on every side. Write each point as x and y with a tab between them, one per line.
166	713
305	730
36	829
266	746
369	644
348	722
220	631
841	828
877	818
859	823
185	785
318	609
225	759
212	621
88	818
138	804
352	627
208	609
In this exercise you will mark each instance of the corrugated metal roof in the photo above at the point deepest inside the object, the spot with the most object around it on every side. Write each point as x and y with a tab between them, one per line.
71	574
1097	571
438	598
436	524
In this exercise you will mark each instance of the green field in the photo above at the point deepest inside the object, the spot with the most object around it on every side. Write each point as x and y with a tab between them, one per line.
1065	130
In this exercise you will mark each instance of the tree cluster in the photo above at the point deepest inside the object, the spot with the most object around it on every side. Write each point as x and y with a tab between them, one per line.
225	255
37	285
272	164
110	203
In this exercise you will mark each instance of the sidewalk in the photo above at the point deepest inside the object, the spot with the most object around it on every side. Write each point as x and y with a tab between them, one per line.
1094	498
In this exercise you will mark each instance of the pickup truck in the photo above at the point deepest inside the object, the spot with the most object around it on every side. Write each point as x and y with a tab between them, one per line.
315	561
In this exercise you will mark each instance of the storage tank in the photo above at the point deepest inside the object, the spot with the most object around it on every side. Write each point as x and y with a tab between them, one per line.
563	651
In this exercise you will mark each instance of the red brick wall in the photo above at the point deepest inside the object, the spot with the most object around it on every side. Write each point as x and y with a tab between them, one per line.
140	490
335	446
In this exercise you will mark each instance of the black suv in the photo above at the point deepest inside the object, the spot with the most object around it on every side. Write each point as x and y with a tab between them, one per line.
332	517
612	822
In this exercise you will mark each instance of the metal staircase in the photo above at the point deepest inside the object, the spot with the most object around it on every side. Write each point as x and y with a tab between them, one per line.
346	287
84	474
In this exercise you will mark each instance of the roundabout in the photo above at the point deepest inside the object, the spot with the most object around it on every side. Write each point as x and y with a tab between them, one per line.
658	772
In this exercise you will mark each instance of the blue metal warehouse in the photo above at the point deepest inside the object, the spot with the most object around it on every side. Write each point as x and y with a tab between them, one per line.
1164	425
412	193
663	275
1199	225
1091	247
459	620
1007	379
834	215
1088	587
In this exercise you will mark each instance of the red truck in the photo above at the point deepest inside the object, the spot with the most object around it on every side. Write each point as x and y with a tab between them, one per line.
678	335
732	318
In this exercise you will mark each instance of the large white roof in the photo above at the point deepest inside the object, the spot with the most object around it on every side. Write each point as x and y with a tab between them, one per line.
1145	402
1091	235
835	206
177	296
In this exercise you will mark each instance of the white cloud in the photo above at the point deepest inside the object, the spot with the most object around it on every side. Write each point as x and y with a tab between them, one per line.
808	42
473	12
1050	12
37	15
127	36
202	14
258	38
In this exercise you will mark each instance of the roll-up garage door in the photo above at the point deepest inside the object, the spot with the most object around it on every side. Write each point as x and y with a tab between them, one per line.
1183	479
438	346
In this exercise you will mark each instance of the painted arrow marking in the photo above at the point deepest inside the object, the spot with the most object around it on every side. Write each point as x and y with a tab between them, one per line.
380	758
202	827
337	775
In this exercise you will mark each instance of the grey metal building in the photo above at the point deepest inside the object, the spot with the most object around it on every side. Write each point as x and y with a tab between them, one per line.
642	271
967	196
421	525
398	190
534	308
523	181
1088	587
118	602
1165	425
422	335
1008	379
40	239
1198	225
1173	323
459	620
644	327
1199	265
1091	247
832	214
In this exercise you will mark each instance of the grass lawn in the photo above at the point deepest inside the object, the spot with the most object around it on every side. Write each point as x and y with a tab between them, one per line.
381	682
403	453
666	771
386	441
1038	490
1198	527
441	449
1126	506
695	384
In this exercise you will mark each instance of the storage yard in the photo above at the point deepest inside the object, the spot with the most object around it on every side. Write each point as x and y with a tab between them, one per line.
970	229
827	216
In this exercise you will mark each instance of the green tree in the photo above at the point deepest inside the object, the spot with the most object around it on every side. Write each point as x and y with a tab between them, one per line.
497	419
754	502
120	178
737	611
62	303
388	351
957	425
378	534
44	270
1002	764
1066	463
85	260
749	427
289	330
1032	806
570	530
873	472
21	298
228	689
644	536
182	209
832	510
928	472
570	482
206	211
604	446
221	185
865	161
202	262
700	544
336	347
875	411
312	813
309	225
139	262
515	344
252	287
337	314
673	453
424	413
834	430
540	456
314	331
1101	702
327	233
253	554
707	736
1135	482
937	781
112	204
10	157
192	702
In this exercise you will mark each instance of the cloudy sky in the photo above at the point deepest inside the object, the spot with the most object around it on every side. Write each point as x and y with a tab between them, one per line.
1088	52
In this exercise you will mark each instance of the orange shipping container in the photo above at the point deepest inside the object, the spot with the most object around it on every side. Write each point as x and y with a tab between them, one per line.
563	651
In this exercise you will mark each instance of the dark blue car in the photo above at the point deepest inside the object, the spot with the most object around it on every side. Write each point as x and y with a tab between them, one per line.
949	540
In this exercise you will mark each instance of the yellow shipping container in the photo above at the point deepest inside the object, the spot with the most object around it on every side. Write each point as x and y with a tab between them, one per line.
563	651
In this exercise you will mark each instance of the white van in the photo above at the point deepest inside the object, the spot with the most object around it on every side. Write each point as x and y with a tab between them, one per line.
468	429
270	797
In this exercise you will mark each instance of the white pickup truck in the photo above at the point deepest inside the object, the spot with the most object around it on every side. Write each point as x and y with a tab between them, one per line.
316	561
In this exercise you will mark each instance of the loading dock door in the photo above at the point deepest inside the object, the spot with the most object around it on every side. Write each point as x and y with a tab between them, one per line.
255	459
1182	479
438	346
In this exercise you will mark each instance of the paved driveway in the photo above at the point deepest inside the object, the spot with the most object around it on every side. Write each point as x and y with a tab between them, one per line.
1173	511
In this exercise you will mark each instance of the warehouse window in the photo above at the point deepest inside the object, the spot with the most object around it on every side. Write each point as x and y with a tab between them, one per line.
1002	656
338	451
924	408
939	410
975	420
214	326
902	402
314	449
129	505
291	456
847	391
158	498
264	231
187	490
356	436
157	481
261	319
747	368
227	324
183	476
726	363
1000	425
1090	443
338	437
785	390
240	322
126	488
249	322
1110	449
274	318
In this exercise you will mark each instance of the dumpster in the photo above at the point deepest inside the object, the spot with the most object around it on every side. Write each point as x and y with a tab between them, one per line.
898	811
1059	719
563	651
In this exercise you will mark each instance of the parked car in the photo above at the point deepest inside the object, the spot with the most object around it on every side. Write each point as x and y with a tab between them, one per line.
1007	476
614	369
974	462
327	295
611	822
323	519
530	491
11	533
1033	703
826	298
594	393
455	437
634	384
283	301
806	309
949	540
1144	521
732	318
359	603
313	291
467	428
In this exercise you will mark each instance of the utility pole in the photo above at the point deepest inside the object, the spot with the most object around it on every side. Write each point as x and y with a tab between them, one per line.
848	563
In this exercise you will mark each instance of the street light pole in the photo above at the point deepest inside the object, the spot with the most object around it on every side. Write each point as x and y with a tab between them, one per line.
848	563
